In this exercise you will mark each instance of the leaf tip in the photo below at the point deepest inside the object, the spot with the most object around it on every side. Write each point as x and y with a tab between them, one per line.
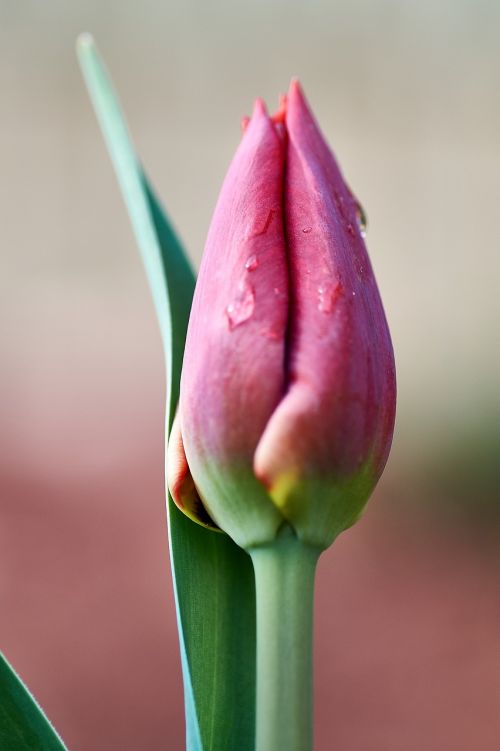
85	42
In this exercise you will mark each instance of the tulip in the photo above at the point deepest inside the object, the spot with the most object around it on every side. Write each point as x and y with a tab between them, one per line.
287	398
288	385
288	391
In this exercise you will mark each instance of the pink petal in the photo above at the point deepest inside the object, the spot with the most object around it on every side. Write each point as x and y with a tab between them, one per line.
233	372
338	413
180	481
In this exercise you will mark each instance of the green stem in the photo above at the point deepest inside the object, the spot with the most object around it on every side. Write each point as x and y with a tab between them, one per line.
284	579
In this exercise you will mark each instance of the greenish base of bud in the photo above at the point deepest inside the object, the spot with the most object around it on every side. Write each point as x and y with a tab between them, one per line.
321	506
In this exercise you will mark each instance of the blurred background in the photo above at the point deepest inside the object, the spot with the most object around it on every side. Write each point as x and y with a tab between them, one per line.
408	605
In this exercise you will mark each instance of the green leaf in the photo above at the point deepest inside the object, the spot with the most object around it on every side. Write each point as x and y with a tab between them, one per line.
213	578
23	725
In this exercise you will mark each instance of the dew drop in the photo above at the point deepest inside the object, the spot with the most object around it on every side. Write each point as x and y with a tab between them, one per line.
241	308
252	263
271	334
350	229
362	219
306	230
328	293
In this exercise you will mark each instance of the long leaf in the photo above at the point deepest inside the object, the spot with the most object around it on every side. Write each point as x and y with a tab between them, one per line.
213	578
23	725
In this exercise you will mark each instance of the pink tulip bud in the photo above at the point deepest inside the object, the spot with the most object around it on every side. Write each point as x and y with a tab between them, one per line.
288	386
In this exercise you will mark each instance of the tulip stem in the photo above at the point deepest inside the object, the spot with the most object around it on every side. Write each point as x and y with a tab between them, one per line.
284	578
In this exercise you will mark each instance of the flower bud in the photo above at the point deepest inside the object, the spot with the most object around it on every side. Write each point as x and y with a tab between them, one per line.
288	385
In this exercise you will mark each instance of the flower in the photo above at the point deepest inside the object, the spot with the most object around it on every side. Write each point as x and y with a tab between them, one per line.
288	389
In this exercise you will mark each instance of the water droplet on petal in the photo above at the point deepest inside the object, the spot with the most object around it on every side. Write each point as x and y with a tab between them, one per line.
306	230
252	263
241	308
271	334
361	218
261	225
328	293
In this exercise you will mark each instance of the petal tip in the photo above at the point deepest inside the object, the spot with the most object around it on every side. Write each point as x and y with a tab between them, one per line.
295	89
245	121
259	108
280	115
297	102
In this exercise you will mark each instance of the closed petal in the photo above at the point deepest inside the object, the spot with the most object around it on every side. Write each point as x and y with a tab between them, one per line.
327	442
233	373
180	481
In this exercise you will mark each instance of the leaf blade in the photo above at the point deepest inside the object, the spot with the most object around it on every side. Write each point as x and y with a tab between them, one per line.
213	578
23	724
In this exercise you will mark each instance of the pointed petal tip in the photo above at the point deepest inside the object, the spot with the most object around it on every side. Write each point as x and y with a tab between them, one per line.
245	120
297	102
259	108
280	114
261	119
295	88
298	111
